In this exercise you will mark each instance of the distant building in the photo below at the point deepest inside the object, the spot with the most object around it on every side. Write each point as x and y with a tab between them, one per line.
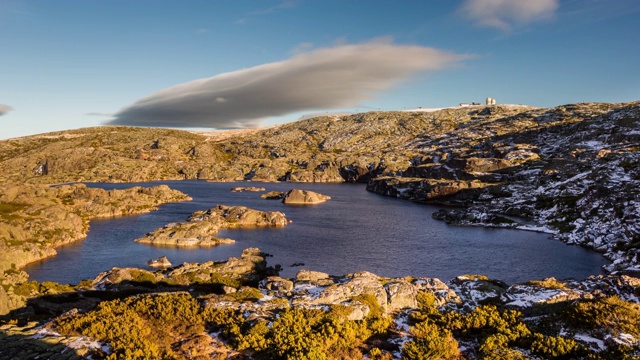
490	101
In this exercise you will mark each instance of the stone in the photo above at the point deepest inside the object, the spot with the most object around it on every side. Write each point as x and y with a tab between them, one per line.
276	283
159	262
229	289
344	290
401	294
304	197
310	275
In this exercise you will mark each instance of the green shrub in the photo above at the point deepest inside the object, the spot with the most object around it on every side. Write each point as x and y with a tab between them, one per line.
611	314
549	283
554	347
245	294
430	342
139	327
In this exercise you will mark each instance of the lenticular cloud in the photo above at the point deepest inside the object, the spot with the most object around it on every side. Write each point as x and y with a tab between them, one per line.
328	78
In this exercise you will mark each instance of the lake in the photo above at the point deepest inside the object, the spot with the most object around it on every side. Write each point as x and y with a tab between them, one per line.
355	230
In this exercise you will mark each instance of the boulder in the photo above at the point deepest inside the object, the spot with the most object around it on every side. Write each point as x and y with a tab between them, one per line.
304	197
401	294
343	291
276	283
159	262
310	275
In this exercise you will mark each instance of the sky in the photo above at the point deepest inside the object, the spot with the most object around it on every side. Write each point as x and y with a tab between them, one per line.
240	64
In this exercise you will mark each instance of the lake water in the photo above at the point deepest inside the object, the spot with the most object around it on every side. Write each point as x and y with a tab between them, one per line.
355	230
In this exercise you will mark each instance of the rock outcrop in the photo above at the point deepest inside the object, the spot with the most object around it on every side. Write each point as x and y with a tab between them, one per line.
202	226
304	197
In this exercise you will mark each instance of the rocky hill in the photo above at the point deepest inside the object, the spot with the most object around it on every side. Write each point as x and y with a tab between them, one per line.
334	149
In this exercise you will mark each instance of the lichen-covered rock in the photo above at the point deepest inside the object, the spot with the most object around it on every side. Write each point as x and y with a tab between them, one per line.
401	294
304	197
249	266
476	289
343	291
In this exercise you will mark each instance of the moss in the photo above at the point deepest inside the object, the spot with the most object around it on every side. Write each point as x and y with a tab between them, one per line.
549	283
475	277
8	210
245	294
141	276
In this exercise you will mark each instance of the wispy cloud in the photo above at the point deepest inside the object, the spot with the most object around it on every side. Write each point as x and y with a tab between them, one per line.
505	14
97	114
285	5
328	78
5	109
202	31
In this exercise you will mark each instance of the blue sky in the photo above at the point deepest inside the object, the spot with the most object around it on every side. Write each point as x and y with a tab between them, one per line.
232	64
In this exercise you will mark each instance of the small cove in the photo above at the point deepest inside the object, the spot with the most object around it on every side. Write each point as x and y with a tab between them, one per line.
355	230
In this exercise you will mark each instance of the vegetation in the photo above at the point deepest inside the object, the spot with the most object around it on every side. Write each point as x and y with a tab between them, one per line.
147	327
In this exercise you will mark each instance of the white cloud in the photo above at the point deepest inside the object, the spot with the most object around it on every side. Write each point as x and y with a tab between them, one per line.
5	109
505	14
328	78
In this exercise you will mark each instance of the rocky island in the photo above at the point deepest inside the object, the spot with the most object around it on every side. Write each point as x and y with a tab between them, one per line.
304	197
202	226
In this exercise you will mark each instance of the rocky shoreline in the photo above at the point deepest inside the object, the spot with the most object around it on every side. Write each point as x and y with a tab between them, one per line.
247	286
572	170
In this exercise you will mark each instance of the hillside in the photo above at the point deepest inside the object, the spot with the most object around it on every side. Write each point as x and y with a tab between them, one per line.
348	148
